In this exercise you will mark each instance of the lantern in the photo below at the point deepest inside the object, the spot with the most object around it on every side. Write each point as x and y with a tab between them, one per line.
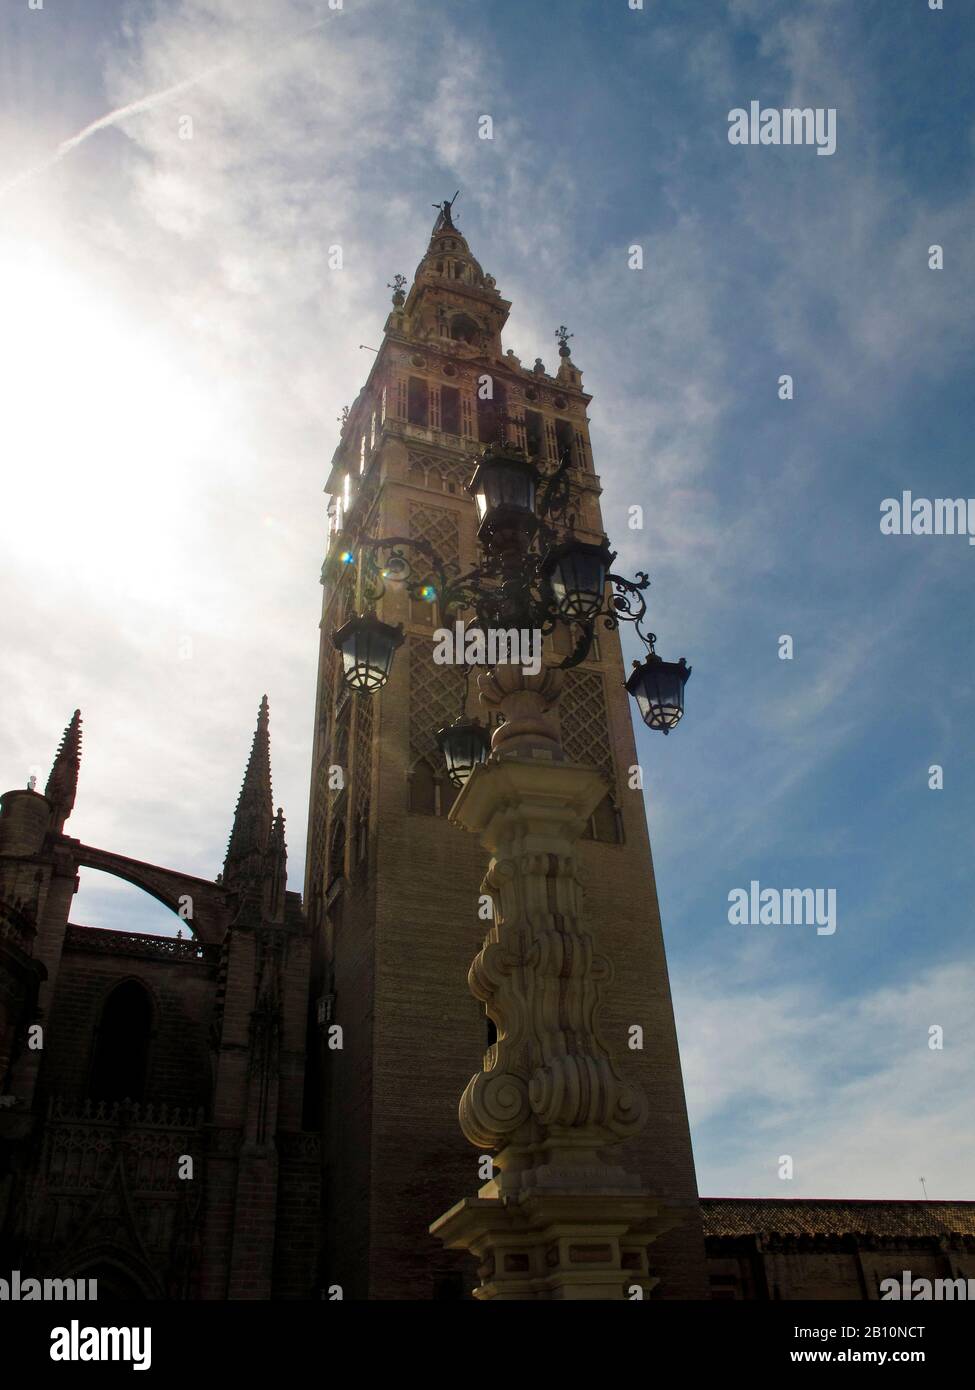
658	688
503	488
576	574
368	647
464	745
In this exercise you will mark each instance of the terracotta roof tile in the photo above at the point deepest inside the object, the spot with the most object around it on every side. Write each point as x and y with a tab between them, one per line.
742	1216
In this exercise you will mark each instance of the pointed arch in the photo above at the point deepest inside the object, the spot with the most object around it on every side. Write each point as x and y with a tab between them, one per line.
336	853
464	329
120	1053
360	836
121	1274
422	788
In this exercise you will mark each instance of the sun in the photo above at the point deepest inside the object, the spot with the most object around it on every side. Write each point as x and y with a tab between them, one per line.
102	430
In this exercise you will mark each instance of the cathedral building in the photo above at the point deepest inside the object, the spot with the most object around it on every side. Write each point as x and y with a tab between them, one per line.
151	1100
266	1105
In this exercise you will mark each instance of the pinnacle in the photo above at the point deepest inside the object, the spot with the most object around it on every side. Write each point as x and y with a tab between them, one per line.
252	817
276	842
62	784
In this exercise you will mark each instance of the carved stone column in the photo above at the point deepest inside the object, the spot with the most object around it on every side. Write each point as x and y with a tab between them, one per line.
560	1219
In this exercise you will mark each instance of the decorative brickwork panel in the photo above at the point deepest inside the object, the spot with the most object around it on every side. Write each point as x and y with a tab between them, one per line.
319	819
435	696
329	676
320	798
440	474
363	749
339	753
439	528
345	599
585	729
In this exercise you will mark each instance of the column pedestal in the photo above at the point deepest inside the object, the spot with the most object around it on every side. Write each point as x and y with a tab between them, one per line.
558	1245
559	1219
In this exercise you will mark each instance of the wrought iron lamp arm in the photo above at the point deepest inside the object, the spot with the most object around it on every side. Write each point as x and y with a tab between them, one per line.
453	590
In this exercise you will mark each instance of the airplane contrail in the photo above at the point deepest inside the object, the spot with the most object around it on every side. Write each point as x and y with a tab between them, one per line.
134	107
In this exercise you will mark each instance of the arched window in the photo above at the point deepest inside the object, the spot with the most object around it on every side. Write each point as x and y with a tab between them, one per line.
340	748
336	854
605	823
450	409
490	414
534	433
565	437
448	795
423	789
463	329
360	842
121	1059
418	401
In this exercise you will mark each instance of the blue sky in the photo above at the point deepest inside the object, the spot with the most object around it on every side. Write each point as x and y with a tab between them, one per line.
177	351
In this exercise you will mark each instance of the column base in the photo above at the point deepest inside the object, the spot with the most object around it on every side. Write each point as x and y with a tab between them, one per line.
572	1246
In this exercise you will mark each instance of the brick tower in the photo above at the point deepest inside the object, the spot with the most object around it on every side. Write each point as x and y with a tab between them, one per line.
392	888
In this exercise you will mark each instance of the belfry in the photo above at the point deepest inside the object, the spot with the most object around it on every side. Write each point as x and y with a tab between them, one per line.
392	887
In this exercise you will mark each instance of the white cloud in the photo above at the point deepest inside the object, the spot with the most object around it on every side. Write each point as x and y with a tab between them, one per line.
849	1088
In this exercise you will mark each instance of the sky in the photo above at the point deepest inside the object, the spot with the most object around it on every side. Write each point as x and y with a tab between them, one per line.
175	351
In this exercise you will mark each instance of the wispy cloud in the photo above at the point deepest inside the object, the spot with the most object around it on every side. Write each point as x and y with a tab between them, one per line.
148	103
850	1088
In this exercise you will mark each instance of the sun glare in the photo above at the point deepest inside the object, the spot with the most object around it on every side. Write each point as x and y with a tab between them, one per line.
101	429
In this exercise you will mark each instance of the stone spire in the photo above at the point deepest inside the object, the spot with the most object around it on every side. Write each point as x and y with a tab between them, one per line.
252	819
277	869
62	785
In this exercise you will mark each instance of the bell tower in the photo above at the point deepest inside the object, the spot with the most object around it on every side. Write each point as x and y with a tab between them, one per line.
392	888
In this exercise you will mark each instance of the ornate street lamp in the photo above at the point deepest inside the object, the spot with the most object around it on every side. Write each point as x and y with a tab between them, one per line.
658	688
532	574
504	487
464	745
368	647
576	574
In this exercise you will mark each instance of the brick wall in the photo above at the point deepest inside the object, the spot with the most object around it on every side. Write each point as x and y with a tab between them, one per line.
182	993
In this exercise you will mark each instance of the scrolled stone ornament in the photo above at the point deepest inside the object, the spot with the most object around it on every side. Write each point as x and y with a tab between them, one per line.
494	1105
585	1092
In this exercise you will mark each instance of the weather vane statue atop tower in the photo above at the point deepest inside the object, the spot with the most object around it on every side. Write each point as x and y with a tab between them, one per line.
445	219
